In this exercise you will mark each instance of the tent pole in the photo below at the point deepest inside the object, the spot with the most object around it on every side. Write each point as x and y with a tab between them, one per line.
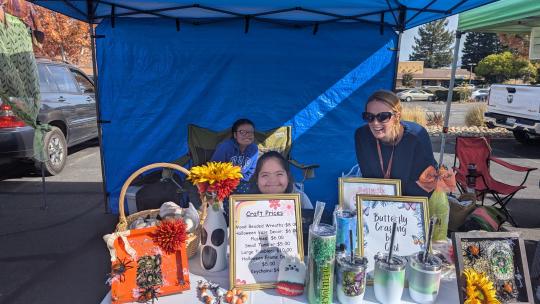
90	9
396	49
449	97
43	188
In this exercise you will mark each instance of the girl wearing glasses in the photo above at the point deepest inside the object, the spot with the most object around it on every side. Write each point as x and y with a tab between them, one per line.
387	147
241	150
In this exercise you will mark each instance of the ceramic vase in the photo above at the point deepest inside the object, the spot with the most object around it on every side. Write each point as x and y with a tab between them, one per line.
213	250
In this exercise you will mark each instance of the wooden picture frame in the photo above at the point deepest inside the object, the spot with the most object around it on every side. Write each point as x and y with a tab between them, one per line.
375	217
349	187
501	256
263	227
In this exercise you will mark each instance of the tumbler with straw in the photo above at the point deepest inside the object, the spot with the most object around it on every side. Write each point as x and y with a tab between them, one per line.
389	275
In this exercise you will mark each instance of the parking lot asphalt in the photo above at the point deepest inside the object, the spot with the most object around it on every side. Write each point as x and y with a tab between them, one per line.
57	255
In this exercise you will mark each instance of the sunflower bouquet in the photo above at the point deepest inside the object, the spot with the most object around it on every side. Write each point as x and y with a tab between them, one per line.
215	180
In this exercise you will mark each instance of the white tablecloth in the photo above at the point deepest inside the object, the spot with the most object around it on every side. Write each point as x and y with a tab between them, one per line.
448	292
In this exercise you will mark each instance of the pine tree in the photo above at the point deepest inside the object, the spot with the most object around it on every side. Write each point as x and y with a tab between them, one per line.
478	46
433	45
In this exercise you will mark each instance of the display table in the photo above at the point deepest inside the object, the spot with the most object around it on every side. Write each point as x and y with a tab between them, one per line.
448	292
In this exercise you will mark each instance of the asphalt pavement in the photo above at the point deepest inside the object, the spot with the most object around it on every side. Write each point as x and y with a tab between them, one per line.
57	255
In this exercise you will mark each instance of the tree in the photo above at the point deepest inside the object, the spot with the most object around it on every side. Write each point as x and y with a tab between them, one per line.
433	45
63	37
478	46
498	68
516	43
407	79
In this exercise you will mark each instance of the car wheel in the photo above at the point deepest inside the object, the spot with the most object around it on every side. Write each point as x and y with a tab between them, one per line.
408	99
55	146
523	137
431	98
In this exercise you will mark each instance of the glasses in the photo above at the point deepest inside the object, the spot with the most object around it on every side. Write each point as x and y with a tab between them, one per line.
245	132
381	117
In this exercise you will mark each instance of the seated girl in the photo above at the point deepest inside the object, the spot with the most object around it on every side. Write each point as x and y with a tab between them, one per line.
272	176
240	150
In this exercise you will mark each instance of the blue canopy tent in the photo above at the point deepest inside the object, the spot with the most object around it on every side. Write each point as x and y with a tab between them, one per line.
309	64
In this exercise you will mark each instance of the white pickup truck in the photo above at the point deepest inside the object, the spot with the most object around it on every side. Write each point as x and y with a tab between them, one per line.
516	108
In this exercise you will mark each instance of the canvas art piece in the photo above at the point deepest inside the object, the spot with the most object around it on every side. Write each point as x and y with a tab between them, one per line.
492	264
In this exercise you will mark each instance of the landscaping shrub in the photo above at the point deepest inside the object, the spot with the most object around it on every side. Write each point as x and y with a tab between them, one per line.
416	114
435	118
475	115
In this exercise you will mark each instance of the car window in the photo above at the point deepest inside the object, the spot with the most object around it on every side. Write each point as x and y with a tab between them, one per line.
46	83
63	79
83	82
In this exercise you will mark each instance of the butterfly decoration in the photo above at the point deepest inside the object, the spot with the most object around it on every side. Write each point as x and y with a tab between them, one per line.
417	240
408	206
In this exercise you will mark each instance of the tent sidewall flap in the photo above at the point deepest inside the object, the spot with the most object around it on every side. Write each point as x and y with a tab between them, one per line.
154	81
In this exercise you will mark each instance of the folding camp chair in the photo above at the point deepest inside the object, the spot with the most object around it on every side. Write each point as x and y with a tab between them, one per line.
477	151
202	143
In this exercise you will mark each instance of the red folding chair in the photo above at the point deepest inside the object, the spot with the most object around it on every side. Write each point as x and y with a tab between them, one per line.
476	150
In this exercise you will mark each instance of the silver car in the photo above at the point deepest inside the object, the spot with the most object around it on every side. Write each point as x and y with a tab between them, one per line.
415	94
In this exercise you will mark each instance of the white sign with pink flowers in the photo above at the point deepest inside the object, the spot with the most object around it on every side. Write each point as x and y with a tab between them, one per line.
349	187
264	228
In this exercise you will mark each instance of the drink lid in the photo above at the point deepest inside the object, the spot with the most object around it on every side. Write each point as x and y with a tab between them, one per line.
323	230
396	263
358	260
433	263
345	213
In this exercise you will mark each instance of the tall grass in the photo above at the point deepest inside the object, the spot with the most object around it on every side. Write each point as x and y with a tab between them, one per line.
475	115
416	114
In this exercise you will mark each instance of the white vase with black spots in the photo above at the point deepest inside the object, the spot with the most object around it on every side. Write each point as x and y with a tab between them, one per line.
213	255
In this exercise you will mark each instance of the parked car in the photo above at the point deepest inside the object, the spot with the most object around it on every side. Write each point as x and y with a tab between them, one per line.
415	94
516	108
433	88
67	104
480	94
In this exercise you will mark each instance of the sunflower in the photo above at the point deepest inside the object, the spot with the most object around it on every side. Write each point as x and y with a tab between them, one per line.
218	179
479	289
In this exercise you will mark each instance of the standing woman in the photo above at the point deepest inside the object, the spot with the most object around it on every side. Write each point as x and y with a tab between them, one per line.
387	147
240	150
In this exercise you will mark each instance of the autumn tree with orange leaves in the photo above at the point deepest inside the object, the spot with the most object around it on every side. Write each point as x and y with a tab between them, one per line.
64	38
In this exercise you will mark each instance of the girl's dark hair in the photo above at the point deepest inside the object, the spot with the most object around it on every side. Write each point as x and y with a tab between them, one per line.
239	122
282	161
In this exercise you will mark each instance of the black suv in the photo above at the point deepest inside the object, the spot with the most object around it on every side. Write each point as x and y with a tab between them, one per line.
67	104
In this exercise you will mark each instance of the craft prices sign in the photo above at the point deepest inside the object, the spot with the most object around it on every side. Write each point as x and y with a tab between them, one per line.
376	215
264	229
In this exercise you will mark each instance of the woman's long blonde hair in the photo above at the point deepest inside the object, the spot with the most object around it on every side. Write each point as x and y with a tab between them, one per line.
390	99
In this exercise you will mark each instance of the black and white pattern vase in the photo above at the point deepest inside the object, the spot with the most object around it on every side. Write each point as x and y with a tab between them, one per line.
213	255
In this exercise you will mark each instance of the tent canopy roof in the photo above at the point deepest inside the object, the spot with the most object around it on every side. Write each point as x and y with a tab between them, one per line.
401	15
504	16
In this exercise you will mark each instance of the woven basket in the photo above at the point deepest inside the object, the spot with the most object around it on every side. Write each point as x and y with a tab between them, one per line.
193	239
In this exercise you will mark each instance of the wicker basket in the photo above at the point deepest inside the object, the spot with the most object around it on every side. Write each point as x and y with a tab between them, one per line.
193	239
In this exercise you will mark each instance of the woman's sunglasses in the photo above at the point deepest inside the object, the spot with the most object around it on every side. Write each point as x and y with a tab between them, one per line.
381	117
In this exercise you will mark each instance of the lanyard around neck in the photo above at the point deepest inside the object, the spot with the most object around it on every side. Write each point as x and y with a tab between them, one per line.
389	168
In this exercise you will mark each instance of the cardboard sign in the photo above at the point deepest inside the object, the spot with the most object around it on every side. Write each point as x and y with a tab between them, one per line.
264	229
349	187
376	215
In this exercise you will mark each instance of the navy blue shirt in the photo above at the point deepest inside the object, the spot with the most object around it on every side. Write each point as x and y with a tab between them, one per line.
412	155
229	151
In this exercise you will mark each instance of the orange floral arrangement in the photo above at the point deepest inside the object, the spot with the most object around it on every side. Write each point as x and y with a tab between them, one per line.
170	235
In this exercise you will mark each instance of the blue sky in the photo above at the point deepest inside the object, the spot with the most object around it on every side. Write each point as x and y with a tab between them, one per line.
407	39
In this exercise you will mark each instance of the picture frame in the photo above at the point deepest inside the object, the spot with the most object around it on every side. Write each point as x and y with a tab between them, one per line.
375	217
349	187
501	257
263	227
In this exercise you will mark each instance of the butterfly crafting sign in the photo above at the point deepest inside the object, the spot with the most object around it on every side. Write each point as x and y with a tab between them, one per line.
375	217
